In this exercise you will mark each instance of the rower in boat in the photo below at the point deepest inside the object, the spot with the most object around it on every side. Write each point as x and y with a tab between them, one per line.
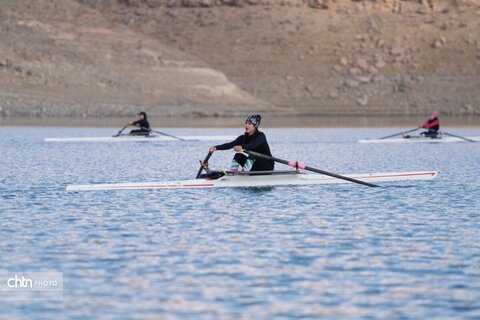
253	140
433	126
142	123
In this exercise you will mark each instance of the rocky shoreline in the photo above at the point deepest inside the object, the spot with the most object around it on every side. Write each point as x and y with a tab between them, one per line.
269	121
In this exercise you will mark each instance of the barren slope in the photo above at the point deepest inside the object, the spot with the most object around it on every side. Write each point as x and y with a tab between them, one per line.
390	57
169	57
61	58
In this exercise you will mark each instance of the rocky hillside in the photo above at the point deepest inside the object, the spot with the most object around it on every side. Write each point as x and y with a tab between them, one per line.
62	58
342	57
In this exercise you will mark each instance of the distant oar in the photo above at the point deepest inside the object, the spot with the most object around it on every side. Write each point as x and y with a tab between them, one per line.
299	165
201	166
163	133
454	135
397	134
120	132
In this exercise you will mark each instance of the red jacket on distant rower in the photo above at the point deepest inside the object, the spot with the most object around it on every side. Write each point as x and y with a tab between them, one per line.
432	124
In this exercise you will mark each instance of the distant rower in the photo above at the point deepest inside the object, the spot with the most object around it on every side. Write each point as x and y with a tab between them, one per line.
253	140
142	122
433	126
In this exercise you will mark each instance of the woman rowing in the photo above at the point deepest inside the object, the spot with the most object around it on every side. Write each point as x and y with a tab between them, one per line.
433	126
253	140
142	123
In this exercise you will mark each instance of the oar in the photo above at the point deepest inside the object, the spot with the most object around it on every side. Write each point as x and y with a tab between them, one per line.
397	134
120	132
163	133
454	135
201	166
299	165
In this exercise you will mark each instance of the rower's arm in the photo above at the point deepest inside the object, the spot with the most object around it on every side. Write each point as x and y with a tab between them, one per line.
230	145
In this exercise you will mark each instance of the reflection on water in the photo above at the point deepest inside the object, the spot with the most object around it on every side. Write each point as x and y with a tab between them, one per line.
407	250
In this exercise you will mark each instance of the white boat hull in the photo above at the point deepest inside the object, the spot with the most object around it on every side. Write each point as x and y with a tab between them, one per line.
258	181
141	139
419	140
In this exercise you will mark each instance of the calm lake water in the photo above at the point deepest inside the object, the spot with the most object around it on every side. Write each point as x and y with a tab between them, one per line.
406	250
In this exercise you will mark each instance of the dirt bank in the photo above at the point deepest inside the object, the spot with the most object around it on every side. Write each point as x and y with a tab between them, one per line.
293	121
221	58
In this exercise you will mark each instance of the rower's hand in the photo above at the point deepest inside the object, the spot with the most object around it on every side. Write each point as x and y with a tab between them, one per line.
238	148
212	150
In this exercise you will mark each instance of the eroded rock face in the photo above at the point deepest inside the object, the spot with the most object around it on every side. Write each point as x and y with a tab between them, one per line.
354	57
179	57
61	58
390	5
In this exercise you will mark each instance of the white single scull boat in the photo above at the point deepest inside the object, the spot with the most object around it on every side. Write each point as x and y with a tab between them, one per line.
139	138
258	179
420	139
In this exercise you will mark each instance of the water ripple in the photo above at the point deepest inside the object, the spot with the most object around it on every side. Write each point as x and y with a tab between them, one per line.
406	250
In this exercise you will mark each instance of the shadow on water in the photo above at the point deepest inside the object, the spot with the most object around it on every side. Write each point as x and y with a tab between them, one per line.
399	186
254	190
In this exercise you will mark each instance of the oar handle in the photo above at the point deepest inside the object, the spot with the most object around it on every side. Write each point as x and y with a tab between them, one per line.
201	166
299	165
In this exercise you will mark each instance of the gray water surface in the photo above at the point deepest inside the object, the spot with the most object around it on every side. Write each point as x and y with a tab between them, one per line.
408	250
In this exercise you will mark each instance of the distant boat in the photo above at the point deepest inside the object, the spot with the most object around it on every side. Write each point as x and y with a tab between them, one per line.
141	138
440	137
421	139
